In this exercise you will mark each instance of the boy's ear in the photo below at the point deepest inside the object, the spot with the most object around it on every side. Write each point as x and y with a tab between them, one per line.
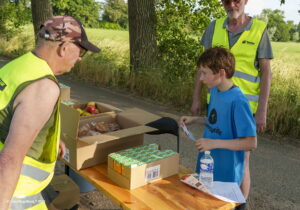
222	72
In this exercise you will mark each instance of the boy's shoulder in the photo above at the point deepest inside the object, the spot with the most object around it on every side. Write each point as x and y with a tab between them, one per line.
234	94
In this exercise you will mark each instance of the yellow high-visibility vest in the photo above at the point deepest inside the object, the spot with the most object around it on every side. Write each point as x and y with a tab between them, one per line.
35	175
246	75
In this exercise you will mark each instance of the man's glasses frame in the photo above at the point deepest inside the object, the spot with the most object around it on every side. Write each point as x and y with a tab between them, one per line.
229	1
82	50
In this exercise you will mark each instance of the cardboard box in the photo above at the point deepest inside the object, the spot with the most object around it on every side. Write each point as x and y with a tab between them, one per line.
92	150
65	92
68	192
131	170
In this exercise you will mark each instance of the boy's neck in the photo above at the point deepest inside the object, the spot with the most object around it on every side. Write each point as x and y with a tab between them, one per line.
226	84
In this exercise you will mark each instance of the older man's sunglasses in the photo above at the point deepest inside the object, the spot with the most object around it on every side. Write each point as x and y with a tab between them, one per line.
82	50
229	1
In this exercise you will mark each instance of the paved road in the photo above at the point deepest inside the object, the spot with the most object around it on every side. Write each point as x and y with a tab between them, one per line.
275	167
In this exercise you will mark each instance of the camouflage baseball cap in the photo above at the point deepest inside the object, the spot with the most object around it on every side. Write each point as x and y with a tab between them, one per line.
66	29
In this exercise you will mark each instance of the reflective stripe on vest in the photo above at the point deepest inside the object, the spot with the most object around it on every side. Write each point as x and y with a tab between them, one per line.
247	77
27	202
35	175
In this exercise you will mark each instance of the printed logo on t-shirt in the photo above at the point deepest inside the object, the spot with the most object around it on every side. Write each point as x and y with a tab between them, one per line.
212	117
212	120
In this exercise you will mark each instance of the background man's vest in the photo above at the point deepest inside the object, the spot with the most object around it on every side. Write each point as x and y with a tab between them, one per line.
246	76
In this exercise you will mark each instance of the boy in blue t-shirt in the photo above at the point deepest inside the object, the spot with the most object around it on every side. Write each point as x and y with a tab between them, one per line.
230	128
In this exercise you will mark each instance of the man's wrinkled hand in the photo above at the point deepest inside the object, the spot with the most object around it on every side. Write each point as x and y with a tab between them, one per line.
195	109
261	122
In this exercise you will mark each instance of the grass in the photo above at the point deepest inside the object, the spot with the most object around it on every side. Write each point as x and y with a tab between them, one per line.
111	68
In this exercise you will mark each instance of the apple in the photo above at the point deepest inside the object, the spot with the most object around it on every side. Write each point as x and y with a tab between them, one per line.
91	109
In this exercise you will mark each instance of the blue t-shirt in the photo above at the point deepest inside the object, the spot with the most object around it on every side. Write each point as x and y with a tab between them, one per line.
229	117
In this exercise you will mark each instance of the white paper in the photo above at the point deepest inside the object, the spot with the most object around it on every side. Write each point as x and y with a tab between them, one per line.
226	191
187	132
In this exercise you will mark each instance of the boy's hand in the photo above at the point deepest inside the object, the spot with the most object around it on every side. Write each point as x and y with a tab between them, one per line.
204	144
186	120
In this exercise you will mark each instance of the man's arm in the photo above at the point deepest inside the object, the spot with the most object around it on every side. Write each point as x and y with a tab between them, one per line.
246	143
32	109
196	105
261	113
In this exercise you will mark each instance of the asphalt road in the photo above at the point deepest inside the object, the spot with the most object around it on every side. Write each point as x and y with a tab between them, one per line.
275	167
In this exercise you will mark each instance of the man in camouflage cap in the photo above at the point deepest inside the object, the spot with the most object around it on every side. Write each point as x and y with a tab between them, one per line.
29	112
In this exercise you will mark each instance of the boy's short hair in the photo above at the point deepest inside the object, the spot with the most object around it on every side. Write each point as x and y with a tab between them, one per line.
217	58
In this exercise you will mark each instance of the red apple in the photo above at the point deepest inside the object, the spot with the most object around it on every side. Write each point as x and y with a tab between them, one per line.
91	109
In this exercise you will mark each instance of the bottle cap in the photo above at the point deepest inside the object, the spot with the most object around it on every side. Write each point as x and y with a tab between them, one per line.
207	152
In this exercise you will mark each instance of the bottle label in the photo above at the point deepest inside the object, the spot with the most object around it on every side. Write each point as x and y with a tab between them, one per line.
207	167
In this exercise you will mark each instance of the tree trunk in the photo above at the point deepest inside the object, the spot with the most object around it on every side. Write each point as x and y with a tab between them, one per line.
142	34
41	11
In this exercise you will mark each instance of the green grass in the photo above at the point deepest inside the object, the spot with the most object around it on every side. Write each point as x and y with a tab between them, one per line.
111	68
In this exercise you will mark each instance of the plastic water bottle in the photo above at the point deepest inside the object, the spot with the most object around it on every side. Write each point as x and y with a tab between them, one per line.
207	169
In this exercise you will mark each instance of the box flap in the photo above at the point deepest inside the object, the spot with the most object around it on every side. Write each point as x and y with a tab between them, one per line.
69	120
117	134
139	116
107	107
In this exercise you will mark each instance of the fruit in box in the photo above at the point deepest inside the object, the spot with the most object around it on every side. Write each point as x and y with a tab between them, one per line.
91	103
80	111
85	114
90	109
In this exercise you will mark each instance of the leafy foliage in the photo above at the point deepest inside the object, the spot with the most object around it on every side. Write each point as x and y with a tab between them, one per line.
87	11
180	24
115	11
13	15
276	20
108	25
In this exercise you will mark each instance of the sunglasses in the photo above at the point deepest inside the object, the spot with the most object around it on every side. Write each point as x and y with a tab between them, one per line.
82	51
229	1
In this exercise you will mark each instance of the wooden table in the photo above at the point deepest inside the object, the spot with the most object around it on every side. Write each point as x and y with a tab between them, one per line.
168	193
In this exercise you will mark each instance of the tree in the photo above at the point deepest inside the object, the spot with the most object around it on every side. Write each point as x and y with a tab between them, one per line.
87	11
295	37
41	11
180	25
13	15
142	35
116	11
276	20
292	28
